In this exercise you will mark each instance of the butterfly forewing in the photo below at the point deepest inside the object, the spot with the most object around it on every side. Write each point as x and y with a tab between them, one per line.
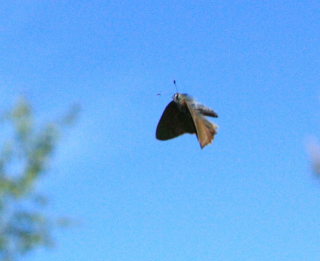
174	122
205	130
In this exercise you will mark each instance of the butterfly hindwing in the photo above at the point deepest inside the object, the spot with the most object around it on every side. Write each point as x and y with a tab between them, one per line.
207	111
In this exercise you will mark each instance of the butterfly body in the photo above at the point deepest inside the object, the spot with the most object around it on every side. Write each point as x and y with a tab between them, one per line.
186	115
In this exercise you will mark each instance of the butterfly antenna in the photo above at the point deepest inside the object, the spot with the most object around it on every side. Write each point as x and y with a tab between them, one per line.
175	84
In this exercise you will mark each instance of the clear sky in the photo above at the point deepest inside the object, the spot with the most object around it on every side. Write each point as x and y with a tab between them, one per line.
249	196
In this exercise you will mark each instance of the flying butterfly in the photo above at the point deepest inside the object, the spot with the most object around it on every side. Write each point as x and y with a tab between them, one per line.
185	115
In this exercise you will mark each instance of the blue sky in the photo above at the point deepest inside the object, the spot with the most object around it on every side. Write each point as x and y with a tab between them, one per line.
249	196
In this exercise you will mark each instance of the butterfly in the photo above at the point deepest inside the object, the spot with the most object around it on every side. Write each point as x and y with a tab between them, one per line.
185	115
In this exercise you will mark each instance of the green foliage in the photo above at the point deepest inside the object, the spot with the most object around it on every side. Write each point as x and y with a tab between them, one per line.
24	158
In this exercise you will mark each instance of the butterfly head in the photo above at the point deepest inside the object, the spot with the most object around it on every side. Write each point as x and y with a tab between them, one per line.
176	97
180	98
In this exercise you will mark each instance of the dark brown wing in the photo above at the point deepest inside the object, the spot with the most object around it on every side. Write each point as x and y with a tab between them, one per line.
174	122
205	129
